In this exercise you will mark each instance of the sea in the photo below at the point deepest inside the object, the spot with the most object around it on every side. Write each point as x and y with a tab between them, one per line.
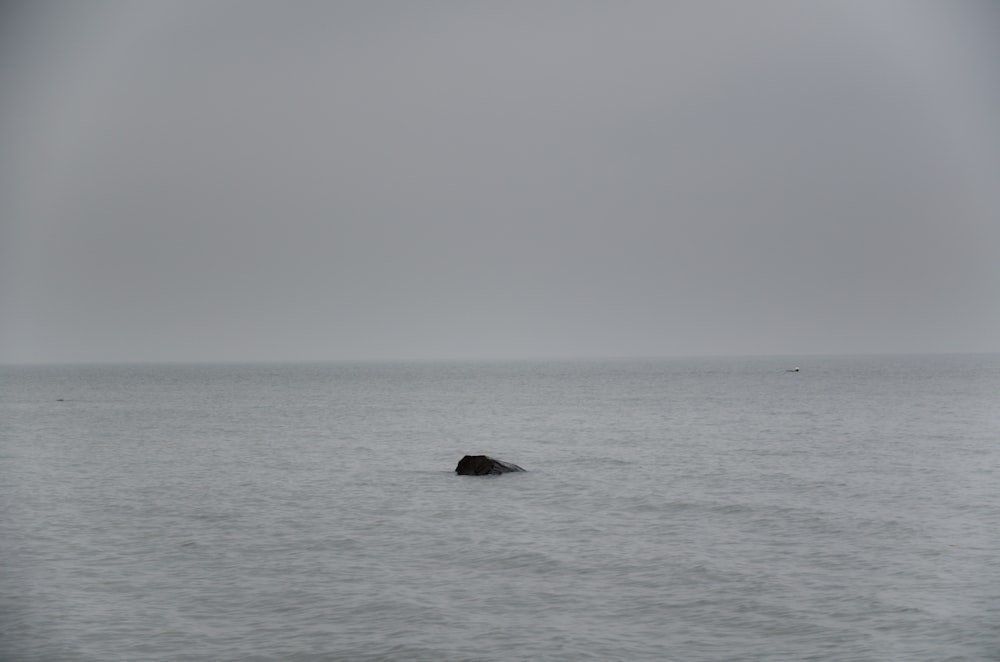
671	509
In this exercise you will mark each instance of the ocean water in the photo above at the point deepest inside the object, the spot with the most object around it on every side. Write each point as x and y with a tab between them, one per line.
702	509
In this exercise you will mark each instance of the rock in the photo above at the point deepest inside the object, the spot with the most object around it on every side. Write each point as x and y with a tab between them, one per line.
483	465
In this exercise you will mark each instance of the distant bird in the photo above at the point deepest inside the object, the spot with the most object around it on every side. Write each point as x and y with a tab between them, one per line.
795	369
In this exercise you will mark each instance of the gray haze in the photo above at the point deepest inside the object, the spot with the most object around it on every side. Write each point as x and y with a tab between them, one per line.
336	180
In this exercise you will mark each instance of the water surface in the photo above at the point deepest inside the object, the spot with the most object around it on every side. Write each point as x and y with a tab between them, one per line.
709	509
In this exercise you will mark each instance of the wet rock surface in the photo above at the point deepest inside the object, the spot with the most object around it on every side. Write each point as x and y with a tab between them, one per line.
484	465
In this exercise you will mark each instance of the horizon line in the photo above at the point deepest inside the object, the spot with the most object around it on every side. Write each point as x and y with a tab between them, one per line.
478	359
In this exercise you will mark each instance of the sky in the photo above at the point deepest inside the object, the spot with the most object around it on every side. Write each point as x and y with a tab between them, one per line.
297	181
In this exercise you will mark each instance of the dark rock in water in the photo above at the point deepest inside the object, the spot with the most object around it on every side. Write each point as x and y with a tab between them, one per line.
483	465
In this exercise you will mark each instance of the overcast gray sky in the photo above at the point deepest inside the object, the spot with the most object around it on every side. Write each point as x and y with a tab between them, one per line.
188	181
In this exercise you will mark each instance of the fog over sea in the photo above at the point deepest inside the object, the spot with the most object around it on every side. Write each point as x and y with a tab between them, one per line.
684	509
